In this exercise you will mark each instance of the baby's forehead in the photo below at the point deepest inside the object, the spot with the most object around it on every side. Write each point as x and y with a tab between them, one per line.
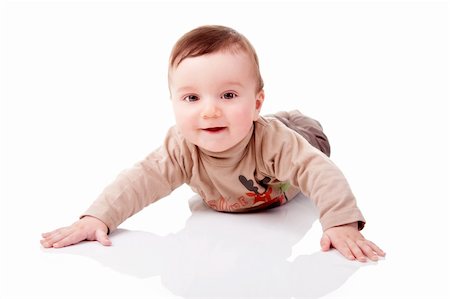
240	59
213	72
221	64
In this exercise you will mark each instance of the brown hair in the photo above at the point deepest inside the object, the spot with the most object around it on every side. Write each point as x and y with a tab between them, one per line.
210	39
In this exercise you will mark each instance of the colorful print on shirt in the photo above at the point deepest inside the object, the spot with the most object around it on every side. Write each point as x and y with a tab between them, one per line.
272	196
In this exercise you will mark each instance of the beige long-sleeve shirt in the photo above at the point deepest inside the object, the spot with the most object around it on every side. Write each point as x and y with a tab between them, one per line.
266	169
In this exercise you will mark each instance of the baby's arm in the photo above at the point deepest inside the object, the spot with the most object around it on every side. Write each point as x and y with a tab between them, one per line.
87	228
348	240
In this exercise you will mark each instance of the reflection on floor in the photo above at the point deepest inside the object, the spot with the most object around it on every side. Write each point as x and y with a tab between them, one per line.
228	255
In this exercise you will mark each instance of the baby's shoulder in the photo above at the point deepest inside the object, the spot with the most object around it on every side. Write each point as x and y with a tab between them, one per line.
269	125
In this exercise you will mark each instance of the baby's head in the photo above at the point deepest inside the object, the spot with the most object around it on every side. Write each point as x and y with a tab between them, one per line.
211	39
215	86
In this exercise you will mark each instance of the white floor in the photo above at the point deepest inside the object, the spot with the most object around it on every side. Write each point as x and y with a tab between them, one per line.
84	95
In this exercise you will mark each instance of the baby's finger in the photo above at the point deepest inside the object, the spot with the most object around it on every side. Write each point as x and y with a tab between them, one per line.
57	235
48	242
325	243
70	239
368	251
102	237
45	243
376	248
51	238
356	251
48	234
343	248
45	235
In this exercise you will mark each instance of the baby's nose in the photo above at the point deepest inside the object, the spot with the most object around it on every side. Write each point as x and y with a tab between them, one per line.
211	110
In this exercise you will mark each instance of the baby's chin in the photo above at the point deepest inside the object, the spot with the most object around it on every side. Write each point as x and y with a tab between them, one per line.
214	139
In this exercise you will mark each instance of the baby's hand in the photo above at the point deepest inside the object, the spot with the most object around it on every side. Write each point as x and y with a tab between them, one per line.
350	243
87	228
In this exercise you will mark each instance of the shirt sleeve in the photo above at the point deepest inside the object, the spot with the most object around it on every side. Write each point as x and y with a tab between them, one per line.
289	157
155	177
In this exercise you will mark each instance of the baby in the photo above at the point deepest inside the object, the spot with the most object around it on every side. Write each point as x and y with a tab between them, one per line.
235	159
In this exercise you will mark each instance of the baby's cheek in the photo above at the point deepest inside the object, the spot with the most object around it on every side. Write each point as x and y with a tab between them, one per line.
244	119
182	120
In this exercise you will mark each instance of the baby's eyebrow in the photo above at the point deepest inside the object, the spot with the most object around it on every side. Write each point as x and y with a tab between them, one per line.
224	84
233	83
184	89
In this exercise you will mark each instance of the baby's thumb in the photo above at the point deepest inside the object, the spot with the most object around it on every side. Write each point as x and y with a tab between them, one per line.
325	243
102	237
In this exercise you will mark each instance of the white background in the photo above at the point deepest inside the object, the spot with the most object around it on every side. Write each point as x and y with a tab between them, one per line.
84	95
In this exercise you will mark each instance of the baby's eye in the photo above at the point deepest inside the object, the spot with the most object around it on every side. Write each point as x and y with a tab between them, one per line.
190	98
229	95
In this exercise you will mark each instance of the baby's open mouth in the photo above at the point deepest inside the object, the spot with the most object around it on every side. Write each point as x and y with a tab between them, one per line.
214	129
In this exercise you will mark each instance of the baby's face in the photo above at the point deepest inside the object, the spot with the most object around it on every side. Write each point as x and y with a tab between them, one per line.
214	99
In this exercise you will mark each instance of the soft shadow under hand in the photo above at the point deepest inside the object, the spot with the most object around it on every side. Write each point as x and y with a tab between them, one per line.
228	255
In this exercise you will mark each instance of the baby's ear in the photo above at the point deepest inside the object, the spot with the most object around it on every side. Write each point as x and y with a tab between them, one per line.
259	100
